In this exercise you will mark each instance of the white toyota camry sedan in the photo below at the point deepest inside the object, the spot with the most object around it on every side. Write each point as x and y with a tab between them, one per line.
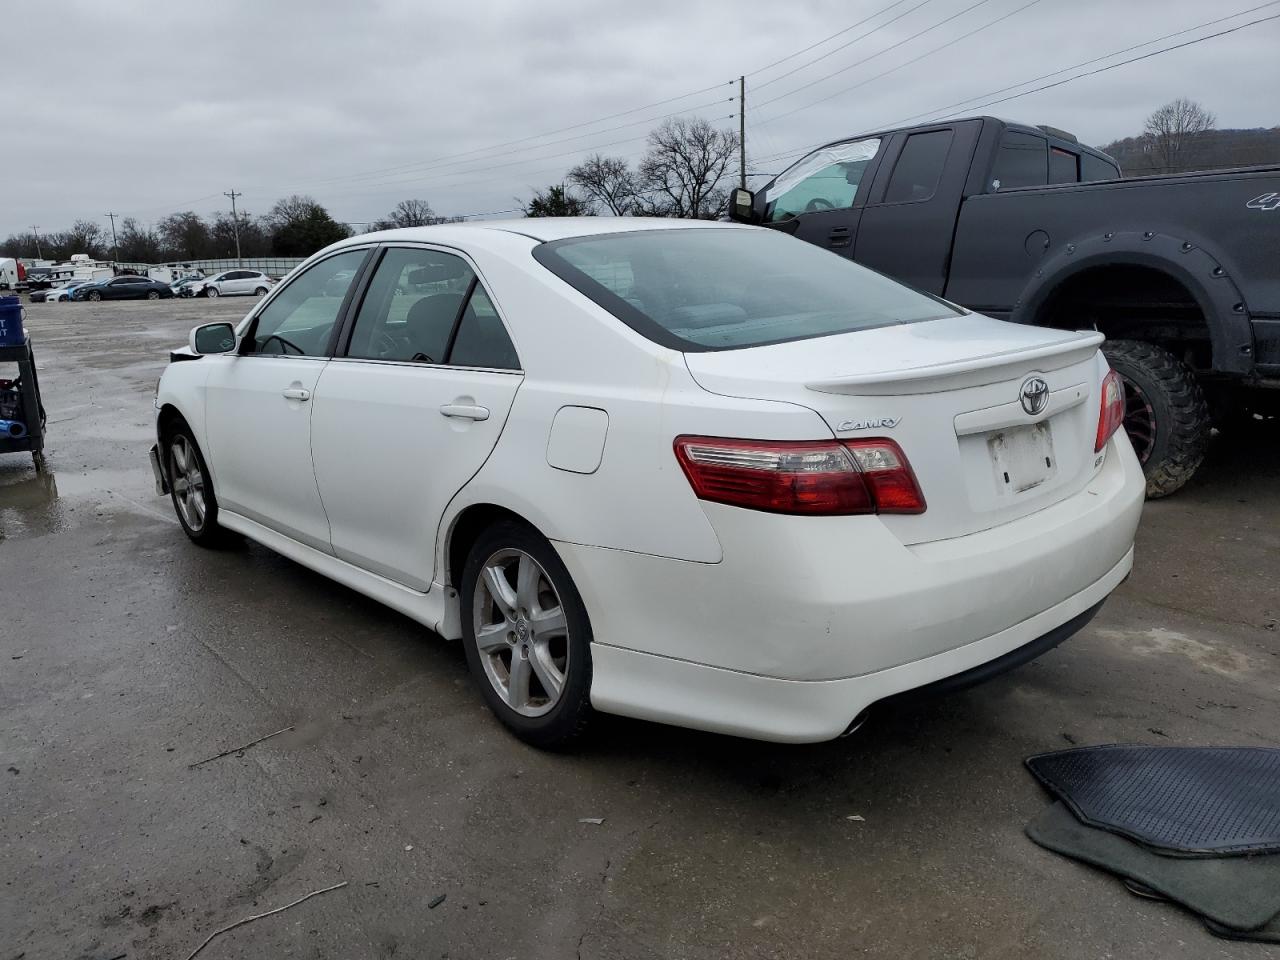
697	473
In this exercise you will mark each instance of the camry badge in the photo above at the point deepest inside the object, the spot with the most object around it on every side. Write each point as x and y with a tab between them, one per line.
876	423
1034	394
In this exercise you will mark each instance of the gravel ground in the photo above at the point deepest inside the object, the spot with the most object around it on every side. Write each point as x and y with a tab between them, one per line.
127	654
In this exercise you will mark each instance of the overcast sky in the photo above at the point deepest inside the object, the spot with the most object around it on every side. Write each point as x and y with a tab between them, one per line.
147	108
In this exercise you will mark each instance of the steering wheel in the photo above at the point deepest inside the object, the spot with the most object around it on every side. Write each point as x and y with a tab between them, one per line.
285	345
386	345
818	203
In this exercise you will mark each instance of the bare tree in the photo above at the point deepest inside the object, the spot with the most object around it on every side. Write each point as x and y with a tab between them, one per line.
85	236
683	172
608	182
1174	127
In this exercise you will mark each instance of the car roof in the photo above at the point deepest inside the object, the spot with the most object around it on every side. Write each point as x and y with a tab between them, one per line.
541	229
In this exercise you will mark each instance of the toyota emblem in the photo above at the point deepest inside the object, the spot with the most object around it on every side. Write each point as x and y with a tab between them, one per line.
1034	394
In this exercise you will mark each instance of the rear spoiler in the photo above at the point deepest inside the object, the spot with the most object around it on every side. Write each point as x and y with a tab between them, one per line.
973	372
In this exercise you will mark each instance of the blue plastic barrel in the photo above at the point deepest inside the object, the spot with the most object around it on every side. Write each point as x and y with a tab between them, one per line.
11	334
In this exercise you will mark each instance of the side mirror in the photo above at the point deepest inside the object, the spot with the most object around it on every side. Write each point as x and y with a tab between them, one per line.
742	205
212	338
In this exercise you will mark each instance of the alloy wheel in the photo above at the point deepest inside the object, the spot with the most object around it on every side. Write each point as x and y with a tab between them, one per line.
187	480
521	632
1139	420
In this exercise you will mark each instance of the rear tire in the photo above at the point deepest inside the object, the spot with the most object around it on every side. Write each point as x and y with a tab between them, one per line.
153	295
524	623
191	488
1166	415
261	292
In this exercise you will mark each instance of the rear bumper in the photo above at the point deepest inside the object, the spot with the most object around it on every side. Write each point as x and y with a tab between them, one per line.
807	621
694	695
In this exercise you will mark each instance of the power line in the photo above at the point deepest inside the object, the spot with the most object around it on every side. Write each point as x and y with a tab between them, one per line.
1105	56
536	136
852	26
847	43
907	63
938	112
1145	56
419	168
895	46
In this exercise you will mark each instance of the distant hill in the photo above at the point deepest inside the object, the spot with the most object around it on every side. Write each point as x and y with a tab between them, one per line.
1211	150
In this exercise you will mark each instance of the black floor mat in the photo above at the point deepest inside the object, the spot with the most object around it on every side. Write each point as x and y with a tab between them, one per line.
1207	801
1237	892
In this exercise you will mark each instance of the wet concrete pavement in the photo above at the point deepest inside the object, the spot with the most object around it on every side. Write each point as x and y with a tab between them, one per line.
127	654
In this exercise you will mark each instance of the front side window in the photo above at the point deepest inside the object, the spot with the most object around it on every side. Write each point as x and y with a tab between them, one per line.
299	320
827	179
712	288
919	167
1021	161
427	306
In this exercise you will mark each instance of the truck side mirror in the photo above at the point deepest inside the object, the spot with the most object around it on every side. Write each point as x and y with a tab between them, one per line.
742	205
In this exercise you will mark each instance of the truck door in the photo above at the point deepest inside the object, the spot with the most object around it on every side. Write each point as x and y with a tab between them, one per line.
819	199
911	209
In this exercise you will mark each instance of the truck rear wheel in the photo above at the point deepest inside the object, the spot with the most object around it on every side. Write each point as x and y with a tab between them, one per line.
1166	416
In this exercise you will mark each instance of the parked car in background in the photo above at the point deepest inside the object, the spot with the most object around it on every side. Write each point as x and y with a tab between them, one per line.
57	294
691	472
122	288
233	283
1025	223
184	287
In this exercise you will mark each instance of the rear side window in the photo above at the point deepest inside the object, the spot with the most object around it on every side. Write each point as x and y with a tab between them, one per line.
1095	168
482	340
709	288
1021	161
919	167
1064	166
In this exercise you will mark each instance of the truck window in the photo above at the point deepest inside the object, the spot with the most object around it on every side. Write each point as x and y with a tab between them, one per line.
1064	166
919	167
1095	168
827	179
1021	161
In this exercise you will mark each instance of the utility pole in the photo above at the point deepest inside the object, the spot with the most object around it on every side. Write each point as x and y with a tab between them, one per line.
35	232
115	247
742	132
235	222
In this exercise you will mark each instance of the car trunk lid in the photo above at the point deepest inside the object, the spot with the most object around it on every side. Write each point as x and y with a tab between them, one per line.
949	392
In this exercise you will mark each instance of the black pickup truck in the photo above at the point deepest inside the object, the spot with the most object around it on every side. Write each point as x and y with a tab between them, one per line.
1181	272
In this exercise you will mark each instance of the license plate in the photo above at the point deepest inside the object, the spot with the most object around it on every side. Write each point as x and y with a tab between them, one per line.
1022	457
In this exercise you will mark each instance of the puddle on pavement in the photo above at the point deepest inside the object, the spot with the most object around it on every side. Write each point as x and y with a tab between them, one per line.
34	504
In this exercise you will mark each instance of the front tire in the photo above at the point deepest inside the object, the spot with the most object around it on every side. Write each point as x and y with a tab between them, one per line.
1166	416
191	488
527	636
95	296
211	292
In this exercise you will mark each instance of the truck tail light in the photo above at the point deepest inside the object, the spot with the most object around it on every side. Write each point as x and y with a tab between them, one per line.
811	478
1111	416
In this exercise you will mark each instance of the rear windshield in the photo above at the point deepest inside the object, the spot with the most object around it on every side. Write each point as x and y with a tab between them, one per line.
725	289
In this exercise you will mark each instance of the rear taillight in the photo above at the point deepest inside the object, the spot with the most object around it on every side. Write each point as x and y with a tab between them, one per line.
814	478
1111	416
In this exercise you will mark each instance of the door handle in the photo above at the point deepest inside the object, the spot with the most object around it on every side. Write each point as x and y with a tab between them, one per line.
839	237
465	411
296	393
